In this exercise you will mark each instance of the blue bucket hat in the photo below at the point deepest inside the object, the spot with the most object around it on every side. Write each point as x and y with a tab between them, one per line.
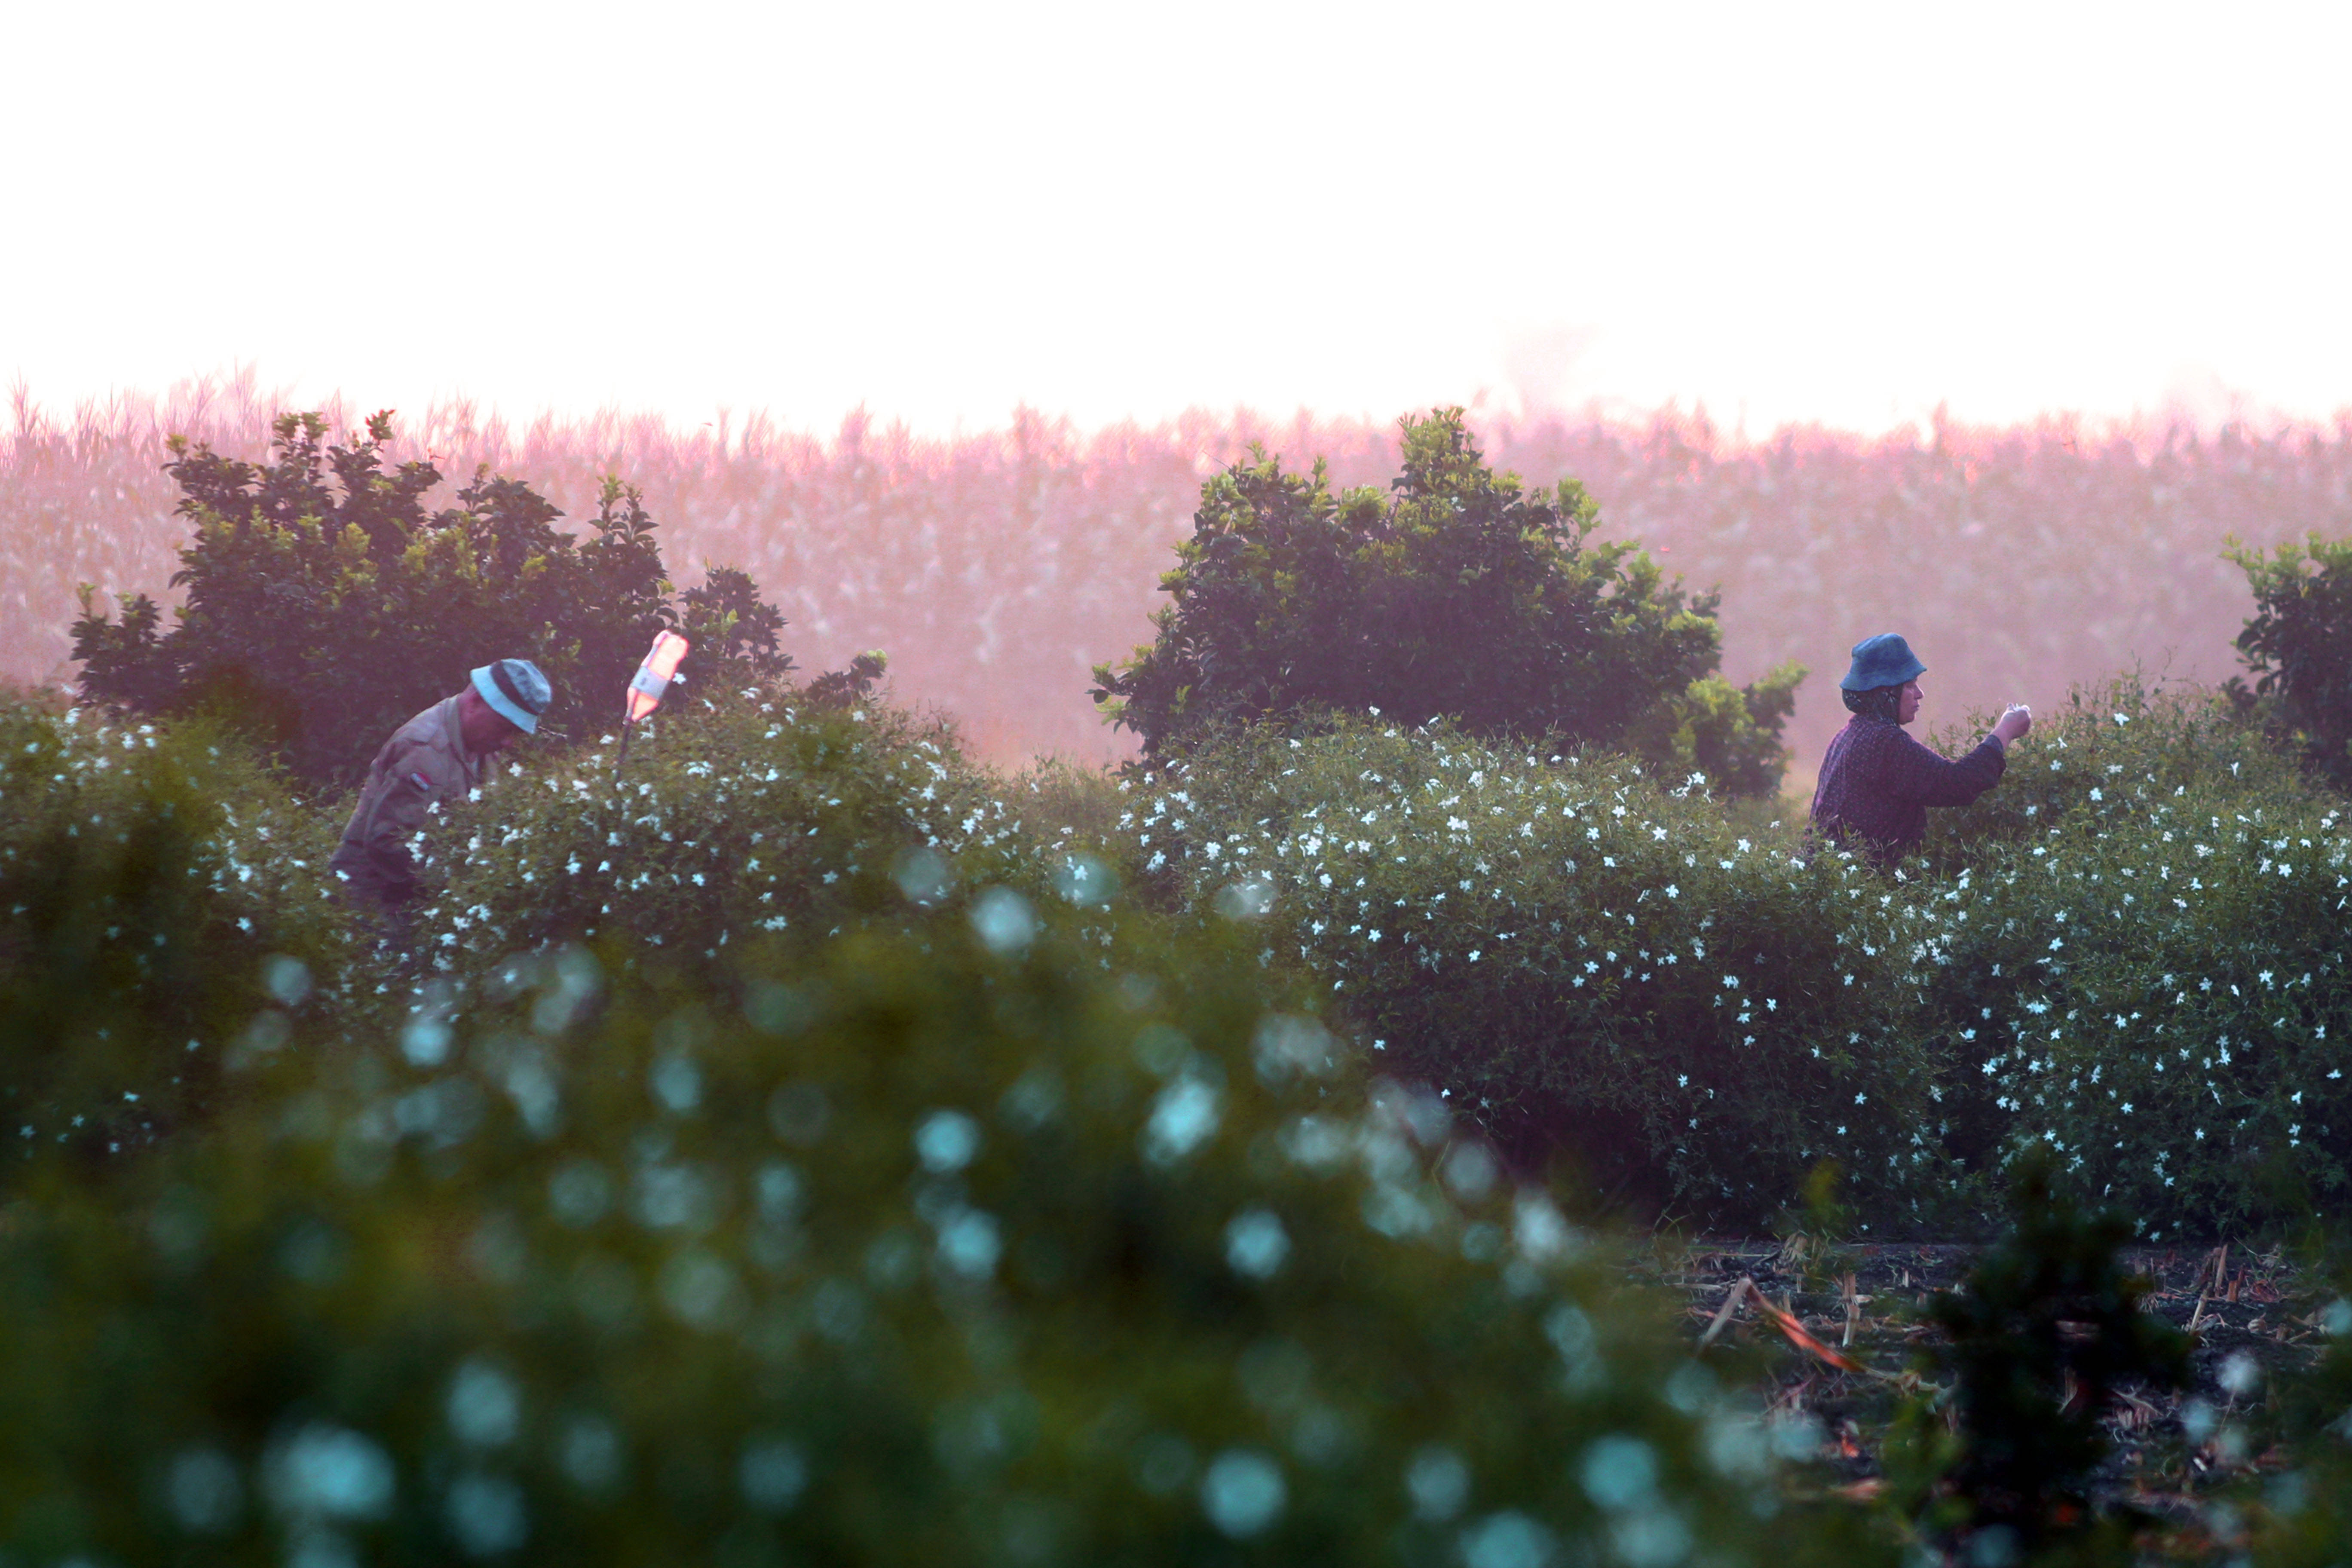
516	692
1883	661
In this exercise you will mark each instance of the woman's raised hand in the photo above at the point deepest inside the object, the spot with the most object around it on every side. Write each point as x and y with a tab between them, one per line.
2014	723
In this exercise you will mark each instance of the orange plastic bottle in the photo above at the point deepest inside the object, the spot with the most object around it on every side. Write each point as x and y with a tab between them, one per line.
653	676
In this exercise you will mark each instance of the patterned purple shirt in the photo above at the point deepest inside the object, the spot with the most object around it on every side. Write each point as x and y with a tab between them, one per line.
1878	784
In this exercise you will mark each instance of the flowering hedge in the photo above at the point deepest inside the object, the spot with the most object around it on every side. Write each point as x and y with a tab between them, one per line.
940	1247
737	814
2147	965
961	1205
2130	951
1586	962
144	877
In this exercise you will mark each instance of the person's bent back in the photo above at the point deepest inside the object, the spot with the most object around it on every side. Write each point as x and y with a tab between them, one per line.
1877	782
442	752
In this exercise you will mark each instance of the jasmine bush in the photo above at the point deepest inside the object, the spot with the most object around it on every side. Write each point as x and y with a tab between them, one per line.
1588	960
145	875
1583	960
2300	1514
946	1247
2145	963
2128	954
740	812
965	1203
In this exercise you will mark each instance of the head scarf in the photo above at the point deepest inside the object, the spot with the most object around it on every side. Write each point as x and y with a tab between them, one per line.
1880	702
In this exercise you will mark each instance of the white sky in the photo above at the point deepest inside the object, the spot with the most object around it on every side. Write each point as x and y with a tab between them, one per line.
1846	214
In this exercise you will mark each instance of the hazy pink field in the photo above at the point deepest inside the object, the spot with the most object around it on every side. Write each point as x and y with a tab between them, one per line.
997	568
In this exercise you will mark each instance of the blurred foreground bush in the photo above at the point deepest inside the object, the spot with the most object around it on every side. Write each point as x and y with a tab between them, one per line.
1462	596
2301	1513
319	621
2039	1343
947	1248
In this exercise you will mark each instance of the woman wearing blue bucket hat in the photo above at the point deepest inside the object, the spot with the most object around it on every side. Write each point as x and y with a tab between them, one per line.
1876	782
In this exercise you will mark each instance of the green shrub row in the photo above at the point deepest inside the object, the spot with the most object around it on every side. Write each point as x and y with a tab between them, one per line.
735	813
2129	951
145	874
1587	962
969	1206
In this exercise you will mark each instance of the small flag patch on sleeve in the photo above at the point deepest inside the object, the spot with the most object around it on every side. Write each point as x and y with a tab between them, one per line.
421	782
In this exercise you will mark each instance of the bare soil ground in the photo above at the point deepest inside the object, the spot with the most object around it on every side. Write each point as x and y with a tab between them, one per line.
1866	1304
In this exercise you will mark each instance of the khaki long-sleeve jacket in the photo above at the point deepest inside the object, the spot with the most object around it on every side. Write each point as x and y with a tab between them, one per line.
424	760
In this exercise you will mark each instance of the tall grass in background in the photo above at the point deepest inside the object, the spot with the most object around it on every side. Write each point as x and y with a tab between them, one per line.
997	568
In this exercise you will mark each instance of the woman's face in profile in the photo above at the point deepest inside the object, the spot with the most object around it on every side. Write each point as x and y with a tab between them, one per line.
1907	707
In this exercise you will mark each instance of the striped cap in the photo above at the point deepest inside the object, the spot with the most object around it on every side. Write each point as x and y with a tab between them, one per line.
515	690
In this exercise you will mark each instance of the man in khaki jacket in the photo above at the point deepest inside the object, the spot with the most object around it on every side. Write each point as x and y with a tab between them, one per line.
442	752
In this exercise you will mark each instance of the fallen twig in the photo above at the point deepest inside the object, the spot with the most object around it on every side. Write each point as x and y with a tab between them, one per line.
1784	1322
2208	1280
1730	1305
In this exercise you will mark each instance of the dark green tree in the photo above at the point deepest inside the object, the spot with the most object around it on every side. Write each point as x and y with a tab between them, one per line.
2298	644
325	604
1460	594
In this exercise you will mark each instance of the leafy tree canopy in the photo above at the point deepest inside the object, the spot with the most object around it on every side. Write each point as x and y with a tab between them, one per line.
322	614
1460	594
2298	644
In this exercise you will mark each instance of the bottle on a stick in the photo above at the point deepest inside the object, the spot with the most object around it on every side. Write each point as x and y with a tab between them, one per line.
649	685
